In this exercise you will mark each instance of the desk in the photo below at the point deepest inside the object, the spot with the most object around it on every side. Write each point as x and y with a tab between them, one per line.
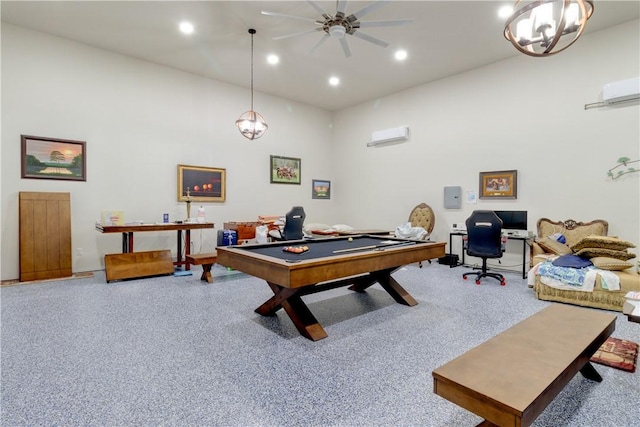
510	379
525	242
128	230
360	262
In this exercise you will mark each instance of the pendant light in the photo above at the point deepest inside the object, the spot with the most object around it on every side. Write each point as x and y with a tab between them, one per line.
251	124
545	27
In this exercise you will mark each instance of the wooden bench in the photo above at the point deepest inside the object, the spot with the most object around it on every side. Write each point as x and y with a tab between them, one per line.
206	260
133	265
510	379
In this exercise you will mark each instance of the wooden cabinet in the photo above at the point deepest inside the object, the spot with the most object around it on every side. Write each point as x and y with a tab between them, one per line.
45	235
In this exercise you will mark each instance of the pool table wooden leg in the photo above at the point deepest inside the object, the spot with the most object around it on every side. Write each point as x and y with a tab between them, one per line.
395	290
296	309
389	284
273	304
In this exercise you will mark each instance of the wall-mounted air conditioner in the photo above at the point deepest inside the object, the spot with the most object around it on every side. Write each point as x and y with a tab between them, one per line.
389	135
622	91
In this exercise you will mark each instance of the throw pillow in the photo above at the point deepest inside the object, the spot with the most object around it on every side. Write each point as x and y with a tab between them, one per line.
613	264
553	246
595	252
342	227
316	227
605	242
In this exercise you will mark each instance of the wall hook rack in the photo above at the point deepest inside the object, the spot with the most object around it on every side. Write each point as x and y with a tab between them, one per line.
623	162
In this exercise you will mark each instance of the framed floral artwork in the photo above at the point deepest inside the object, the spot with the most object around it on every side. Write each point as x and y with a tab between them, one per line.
285	170
499	185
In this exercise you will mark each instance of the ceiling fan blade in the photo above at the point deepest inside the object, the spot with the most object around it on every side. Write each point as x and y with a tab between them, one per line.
342	6
369	38
345	47
390	23
301	33
370	8
320	42
302	18
320	10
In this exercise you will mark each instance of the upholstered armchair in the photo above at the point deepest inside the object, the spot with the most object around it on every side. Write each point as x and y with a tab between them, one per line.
423	216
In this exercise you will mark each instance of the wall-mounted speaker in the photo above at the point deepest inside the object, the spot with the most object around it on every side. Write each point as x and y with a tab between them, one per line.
452	197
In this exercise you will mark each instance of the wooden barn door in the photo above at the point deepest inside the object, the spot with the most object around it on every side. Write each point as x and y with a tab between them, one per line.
45	235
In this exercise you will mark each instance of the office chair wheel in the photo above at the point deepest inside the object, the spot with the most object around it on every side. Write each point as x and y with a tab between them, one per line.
503	282
478	282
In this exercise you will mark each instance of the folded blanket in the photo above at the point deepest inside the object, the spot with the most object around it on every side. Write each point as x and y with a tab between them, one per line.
574	279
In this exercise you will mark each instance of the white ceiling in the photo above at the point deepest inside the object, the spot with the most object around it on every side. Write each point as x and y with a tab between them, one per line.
445	38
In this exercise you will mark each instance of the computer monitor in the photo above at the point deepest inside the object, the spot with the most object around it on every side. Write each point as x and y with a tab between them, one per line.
513	220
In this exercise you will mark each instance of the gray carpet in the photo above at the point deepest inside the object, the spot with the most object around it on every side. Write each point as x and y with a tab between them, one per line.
178	351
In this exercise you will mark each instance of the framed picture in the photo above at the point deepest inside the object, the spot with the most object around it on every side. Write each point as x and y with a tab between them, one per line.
52	158
285	170
201	184
320	189
499	185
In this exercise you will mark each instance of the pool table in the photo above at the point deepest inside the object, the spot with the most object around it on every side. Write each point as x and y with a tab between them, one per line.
359	261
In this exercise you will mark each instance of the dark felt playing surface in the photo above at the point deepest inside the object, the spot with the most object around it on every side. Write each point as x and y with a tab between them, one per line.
322	248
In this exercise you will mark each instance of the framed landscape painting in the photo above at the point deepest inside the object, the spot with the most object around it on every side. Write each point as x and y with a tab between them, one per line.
201	184
320	189
52	158
285	170
499	185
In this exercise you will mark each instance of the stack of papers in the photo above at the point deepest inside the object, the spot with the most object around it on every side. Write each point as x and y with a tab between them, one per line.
632	304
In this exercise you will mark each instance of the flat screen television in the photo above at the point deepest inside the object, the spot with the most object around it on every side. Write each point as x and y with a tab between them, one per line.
513	220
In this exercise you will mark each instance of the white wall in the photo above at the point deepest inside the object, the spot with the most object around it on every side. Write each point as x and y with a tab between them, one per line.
523	113
140	120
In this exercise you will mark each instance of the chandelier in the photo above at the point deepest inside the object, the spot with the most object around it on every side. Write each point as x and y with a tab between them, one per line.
251	124
546	27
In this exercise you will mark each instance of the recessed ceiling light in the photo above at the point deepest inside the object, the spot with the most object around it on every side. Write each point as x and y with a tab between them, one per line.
186	27
273	59
334	81
400	55
505	11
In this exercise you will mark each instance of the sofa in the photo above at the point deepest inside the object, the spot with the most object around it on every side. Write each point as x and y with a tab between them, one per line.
587	240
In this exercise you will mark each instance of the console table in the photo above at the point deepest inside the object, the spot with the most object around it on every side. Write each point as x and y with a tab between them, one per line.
525	242
128	230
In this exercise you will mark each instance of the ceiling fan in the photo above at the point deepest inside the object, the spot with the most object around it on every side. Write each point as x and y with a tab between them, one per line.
340	25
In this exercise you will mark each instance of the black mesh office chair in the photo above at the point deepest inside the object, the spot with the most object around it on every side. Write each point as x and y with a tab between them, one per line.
484	234
292	229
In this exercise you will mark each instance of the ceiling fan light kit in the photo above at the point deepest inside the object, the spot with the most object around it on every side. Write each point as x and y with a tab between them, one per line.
251	124
546	27
337	31
339	25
